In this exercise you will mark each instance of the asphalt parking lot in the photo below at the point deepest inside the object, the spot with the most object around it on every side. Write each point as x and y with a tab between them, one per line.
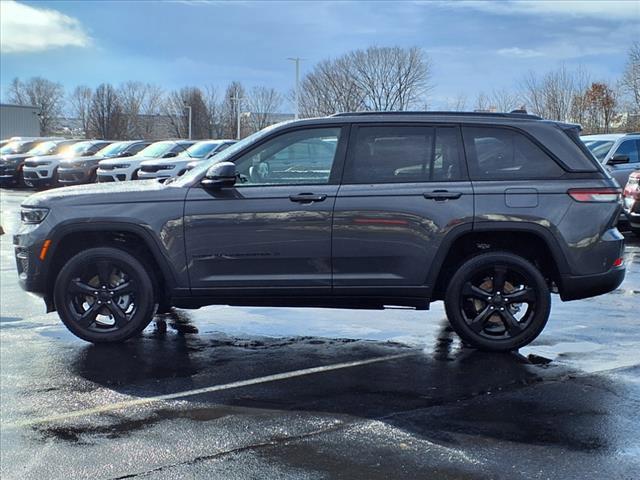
226	392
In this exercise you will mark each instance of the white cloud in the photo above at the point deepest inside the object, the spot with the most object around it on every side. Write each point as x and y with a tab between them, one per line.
518	52
24	28
600	9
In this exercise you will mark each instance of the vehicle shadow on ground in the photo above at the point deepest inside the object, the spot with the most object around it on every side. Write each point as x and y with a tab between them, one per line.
474	393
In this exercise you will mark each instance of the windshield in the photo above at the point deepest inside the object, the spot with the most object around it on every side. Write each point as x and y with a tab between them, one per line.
113	150
197	171
44	148
599	148
199	150
156	150
17	147
77	149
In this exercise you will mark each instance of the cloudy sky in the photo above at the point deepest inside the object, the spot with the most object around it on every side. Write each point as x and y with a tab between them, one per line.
474	46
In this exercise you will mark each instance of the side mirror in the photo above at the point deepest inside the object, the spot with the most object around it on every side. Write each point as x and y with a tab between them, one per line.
220	175
618	160
126	154
170	154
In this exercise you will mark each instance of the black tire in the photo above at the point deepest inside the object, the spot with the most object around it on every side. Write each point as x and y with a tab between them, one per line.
486	295
635	231
115	313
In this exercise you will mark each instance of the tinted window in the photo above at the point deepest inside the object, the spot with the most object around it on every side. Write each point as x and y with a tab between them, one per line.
599	148
301	157
394	154
629	148
499	153
137	147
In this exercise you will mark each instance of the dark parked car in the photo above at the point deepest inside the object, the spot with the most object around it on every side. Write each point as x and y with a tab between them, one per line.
14	153
78	170
489	212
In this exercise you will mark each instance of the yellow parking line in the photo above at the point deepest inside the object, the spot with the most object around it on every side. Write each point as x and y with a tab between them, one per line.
188	393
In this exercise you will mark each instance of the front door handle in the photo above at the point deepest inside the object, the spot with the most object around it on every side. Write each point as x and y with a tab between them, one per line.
441	195
307	198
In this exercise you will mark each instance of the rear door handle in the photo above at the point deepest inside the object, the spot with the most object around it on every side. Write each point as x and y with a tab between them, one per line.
307	198
441	195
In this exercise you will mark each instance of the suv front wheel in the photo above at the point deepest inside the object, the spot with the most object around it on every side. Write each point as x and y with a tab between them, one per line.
498	301
104	295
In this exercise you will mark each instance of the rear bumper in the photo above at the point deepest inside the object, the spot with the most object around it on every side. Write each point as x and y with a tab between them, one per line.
585	286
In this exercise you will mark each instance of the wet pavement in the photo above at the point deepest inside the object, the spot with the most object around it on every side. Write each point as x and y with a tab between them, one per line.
226	392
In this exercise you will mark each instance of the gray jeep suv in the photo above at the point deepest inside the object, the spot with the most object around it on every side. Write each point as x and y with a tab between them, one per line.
489	212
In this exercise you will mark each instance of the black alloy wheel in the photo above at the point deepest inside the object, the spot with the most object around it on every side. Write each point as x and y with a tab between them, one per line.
104	295
498	301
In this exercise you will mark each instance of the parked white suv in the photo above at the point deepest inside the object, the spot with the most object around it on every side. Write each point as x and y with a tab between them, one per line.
176	166
618	152
123	169
42	170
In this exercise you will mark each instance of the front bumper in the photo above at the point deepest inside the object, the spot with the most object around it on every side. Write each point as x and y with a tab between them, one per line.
115	175
9	173
74	176
37	176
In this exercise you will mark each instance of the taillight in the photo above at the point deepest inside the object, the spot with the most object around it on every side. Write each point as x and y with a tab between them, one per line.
599	195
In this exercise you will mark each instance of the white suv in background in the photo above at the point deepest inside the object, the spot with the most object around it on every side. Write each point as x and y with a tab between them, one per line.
122	169
176	166
39	171
618	152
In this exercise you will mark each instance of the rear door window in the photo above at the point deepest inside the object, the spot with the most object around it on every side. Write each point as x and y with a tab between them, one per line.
501	153
403	154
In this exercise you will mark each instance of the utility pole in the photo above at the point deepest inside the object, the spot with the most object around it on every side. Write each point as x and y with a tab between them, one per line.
189	107
235	98
297	62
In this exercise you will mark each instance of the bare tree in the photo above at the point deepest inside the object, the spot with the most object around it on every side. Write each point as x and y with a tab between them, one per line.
176	107
41	93
80	105
263	102
630	83
214	110
483	104
457	103
141	102
232	104
378	78
106	119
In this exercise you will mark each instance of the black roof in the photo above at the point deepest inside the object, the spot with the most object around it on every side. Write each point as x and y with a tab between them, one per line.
515	115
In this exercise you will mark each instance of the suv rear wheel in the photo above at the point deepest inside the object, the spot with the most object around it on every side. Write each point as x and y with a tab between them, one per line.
104	295
498	301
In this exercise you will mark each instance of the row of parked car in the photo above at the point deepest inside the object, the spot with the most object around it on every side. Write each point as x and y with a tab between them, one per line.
41	162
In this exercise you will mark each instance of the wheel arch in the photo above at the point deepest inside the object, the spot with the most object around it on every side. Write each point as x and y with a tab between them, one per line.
534	242
69	239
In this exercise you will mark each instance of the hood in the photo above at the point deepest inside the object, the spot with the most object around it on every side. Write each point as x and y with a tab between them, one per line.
81	160
156	162
14	157
106	193
45	158
125	160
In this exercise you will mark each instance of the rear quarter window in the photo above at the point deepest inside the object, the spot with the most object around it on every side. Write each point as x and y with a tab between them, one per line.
501	154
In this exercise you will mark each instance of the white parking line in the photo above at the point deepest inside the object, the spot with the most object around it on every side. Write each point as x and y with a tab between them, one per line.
214	388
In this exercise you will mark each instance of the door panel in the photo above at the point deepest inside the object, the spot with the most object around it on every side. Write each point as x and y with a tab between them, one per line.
257	237
404	190
388	235
272	230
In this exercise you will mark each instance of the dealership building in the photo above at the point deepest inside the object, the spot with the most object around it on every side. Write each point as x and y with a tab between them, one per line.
19	121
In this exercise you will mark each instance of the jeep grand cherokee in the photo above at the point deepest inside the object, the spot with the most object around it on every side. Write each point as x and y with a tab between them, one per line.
489	212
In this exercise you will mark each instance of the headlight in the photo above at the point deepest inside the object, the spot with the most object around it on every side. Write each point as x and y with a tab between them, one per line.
33	215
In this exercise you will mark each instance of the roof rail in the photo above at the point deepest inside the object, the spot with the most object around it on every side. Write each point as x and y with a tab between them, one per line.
441	113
